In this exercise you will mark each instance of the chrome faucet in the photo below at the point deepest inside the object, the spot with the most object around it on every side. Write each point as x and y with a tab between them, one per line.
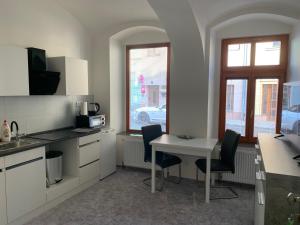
17	129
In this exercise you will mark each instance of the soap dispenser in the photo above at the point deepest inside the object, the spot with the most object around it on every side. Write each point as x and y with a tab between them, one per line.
5	132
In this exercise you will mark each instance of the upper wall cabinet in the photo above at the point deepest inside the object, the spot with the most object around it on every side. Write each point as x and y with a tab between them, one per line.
73	75
13	71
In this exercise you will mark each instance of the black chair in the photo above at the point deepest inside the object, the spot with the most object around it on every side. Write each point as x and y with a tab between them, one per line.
163	160
226	162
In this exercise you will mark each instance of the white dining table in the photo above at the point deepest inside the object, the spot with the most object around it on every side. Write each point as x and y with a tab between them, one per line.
199	147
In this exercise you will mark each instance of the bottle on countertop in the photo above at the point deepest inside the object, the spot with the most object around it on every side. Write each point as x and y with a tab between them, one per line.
5	132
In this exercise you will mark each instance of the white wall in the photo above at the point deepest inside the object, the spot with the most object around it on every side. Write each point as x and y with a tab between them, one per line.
242	28
117	86
142	35
42	24
189	80
294	62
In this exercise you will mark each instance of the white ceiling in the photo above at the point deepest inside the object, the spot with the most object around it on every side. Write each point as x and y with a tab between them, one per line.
97	15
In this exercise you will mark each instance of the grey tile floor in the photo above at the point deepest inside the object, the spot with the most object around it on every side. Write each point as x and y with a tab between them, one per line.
123	199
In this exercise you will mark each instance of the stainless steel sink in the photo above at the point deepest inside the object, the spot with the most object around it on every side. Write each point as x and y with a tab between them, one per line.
16	144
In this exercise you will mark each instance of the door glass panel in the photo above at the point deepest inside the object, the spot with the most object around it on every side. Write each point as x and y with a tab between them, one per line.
267	53
148	87
236	102
239	54
266	98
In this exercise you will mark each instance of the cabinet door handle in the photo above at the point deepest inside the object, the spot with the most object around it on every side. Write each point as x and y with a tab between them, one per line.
90	143
24	163
261	198
89	163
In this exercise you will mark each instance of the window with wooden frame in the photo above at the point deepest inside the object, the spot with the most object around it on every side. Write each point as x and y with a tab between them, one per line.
253	70
147	86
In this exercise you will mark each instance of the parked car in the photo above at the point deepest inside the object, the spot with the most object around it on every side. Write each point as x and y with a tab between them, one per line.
291	119
148	115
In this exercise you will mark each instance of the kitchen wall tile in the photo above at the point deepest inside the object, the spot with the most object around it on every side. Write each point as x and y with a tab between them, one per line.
40	113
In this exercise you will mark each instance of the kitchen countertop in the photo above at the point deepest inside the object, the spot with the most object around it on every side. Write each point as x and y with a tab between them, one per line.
277	156
46	138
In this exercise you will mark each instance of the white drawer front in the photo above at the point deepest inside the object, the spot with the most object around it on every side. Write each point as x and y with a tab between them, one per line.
17	158
89	153
88	139
89	172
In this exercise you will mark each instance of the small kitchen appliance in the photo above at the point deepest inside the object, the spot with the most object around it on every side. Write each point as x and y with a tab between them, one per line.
84	109
97	121
94	108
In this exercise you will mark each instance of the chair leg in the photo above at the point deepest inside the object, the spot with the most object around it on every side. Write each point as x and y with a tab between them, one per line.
178	180
235	195
145	181
212	179
179	174
162	180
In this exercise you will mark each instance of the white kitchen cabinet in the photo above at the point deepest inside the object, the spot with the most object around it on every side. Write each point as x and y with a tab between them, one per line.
25	182
3	217
89	172
108	154
14	75
89	152
73	75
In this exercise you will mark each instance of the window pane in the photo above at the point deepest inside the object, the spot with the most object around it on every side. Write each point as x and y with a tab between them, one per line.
290	120
267	53
148	87
236	102
239	54
266	96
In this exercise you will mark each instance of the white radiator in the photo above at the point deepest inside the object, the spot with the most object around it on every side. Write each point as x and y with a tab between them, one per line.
244	167
133	156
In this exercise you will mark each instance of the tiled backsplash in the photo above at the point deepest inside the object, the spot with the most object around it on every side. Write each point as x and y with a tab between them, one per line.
39	113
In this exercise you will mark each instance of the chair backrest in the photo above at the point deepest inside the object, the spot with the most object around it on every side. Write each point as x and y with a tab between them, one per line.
149	134
228	148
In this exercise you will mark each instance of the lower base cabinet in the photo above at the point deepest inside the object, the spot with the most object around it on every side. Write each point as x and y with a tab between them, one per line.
3	217
25	182
89	152
108	153
89	172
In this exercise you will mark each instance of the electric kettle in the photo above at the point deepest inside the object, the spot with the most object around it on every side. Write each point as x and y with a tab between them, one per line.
93	108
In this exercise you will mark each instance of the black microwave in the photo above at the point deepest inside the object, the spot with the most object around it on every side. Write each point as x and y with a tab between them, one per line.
97	121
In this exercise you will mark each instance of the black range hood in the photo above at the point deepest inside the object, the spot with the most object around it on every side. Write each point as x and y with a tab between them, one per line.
41	82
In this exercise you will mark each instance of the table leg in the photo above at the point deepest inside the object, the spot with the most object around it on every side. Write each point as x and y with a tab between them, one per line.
153	170
207	181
